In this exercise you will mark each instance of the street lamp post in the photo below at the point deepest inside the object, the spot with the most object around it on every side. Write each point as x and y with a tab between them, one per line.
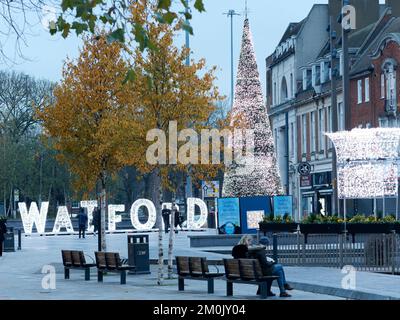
231	14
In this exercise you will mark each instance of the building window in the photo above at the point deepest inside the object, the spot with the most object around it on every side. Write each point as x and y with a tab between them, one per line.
313	133
383	96
304	133
321	139
291	86
292	140
305	79
366	89
284	90
341	119
275	102
341	64
359	92
391	87
330	126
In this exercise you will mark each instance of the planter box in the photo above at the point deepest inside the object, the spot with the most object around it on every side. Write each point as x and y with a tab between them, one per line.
277	227
321	228
396	227
355	228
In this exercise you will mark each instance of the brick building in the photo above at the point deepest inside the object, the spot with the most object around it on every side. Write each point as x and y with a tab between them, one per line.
302	114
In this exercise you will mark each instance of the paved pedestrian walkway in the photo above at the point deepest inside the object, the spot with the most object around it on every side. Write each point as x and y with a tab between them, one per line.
21	275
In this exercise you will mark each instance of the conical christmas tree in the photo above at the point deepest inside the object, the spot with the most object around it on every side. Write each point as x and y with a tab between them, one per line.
260	176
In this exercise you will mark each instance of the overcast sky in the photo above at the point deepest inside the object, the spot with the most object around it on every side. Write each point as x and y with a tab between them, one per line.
268	21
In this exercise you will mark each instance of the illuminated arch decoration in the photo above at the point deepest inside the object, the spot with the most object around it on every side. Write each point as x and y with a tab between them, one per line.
198	223
114	218
62	220
367	162
33	217
151	221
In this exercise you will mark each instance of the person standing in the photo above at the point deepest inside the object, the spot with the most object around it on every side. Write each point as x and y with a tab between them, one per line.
166	213
3	231
96	220
82	221
178	219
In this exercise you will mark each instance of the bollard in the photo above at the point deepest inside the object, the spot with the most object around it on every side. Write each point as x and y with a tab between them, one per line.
19	239
275	247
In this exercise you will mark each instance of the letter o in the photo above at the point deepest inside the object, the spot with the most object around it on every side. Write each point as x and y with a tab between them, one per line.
151	221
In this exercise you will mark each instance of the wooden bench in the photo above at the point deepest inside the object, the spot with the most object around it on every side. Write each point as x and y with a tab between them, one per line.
195	268
75	260
111	262
247	271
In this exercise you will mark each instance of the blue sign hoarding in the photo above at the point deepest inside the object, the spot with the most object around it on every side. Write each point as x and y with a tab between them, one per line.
283	205
252	211
229	216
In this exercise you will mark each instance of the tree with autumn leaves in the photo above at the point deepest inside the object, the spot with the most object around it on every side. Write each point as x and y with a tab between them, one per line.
100	123
167	91
91	116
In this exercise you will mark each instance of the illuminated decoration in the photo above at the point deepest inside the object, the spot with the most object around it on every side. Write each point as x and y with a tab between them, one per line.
62	220
33	217
257	175
90	206
151	221
253	218
114	218
192	223
367	161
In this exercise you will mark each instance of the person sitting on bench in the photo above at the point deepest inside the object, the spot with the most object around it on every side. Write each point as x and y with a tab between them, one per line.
244	250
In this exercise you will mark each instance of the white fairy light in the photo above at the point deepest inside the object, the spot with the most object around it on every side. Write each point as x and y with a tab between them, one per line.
114	218
192	222
33	217
151	221
367	161
257	175
62	220
90	205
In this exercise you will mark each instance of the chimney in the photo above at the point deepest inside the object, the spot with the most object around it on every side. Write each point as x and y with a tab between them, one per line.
395	5
367	12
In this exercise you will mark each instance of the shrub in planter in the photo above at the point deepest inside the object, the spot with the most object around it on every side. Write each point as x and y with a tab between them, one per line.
320	224
278	224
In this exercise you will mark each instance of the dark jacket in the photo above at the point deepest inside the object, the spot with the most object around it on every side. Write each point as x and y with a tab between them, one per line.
96	218
241	251
261	255
82	219
3	230
165	212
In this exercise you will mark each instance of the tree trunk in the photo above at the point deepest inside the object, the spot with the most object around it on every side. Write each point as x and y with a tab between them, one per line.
157	198
103	206
171	241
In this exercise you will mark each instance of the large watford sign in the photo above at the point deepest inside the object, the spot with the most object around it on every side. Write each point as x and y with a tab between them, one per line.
34	216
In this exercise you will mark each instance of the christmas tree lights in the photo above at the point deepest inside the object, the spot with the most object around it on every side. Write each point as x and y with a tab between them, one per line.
258	175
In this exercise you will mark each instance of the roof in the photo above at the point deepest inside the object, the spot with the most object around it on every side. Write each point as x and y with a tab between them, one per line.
363	64
292	30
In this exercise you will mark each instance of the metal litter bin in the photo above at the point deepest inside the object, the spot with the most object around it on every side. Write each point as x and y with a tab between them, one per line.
138	253
9	241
